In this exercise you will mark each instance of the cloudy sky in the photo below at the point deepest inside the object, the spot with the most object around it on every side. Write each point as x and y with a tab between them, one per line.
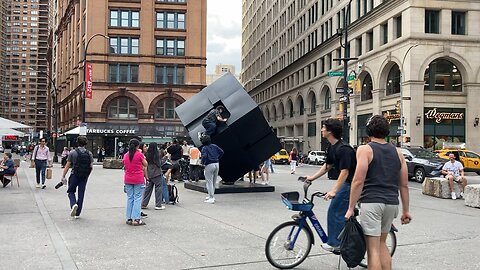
224	33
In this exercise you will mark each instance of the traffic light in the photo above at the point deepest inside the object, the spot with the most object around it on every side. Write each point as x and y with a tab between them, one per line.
397	107
351	84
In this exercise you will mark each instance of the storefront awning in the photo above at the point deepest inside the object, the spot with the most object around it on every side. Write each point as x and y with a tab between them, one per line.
158	140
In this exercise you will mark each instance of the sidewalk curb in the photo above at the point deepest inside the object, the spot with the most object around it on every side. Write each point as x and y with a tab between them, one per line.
58	242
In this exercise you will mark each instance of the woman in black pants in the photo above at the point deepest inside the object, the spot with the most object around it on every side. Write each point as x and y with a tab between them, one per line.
154	172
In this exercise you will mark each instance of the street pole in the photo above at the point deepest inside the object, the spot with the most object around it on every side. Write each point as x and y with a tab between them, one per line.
55	113
402	121
85	73
345	59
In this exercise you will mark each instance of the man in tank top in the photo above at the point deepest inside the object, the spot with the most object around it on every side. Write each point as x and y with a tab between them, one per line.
380	173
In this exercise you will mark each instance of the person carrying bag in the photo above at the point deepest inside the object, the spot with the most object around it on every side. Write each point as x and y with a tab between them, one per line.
352	243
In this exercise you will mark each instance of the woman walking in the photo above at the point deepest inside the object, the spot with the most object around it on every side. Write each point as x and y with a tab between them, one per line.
211	154
155	178
265	171
135	171
293	159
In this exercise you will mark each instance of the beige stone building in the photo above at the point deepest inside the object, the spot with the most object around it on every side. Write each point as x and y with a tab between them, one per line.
428	50
154	59
23	53
220	69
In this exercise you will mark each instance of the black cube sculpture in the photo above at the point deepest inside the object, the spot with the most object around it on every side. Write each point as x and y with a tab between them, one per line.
247	139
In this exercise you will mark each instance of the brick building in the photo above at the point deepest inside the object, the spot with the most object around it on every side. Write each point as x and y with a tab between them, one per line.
154	59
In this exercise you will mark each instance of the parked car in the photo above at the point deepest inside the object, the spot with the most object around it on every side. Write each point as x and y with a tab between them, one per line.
422	163
316	157
280	157
469	159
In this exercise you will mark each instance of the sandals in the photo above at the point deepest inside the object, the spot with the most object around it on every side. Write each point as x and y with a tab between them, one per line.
139	222
129	222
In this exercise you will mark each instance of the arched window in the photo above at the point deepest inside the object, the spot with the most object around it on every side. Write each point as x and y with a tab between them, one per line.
165	109
274	113
122	108
313	104
367	87
302	106
290	104
281	110
327	99
393	81
267	114
442	75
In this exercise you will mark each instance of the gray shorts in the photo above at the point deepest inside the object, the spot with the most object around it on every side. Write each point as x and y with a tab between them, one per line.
377	218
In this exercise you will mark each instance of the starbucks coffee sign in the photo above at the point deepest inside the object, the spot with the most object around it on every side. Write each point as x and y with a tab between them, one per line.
110	131
440	116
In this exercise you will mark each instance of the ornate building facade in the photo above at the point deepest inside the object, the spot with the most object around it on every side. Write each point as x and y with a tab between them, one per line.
423	52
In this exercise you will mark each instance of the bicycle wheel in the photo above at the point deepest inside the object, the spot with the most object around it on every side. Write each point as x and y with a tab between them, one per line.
280	249
391	245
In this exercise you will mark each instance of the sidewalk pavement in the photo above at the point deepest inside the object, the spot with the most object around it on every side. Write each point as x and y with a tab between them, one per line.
38	232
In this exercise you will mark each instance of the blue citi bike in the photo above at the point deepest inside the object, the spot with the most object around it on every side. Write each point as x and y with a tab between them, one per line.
289	244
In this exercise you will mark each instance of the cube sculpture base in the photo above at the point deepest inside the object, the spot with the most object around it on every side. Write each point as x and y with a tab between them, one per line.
439	187
238	187
472	195
246	138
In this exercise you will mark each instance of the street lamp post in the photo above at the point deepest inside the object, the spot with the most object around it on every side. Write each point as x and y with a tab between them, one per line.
402	121
85	72
345	59
55	112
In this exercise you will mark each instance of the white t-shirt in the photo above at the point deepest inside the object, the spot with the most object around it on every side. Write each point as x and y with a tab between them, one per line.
454	168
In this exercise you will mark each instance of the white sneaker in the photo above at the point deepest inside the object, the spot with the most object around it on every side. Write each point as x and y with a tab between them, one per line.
160	208
38	186
77	217
461	194
73	212
211	200
329	248
454	197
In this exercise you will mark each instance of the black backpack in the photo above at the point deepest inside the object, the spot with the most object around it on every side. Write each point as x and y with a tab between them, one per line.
352	243
172	194
82	168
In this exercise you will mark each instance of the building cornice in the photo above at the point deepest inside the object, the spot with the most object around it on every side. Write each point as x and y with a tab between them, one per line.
65	20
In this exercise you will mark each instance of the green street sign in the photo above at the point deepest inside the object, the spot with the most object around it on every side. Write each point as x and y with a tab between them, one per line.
351	78
335	73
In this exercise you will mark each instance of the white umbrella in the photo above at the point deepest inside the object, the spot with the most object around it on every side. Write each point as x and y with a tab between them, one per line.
9	131
6	123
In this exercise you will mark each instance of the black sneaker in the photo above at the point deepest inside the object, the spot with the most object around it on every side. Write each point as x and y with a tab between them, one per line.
143	214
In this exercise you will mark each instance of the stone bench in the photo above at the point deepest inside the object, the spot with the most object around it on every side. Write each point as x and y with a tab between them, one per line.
112	164
438	187
472	195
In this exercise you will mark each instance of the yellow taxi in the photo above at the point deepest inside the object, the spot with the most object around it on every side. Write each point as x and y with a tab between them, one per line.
280	157
469	159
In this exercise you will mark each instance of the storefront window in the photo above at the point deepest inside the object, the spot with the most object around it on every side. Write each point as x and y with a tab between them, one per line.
443	125
442	75
122	108
393	81
367	88
362	137
165	109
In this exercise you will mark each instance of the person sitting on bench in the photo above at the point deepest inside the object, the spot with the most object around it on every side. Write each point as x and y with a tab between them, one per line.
453	171
7	167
